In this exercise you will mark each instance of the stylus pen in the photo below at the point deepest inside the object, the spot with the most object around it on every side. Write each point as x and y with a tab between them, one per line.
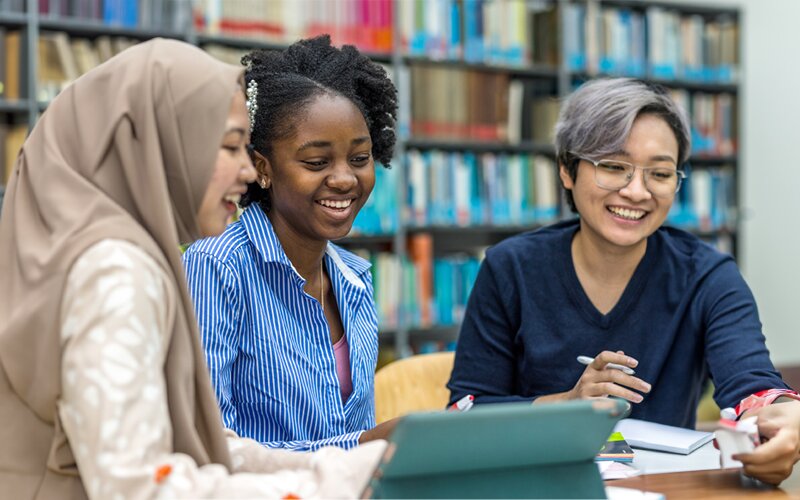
586	360
463	404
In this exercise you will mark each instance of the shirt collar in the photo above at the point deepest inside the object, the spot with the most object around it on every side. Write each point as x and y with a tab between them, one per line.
354	267
262	236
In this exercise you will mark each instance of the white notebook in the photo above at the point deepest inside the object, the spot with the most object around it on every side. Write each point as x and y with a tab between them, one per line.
659	437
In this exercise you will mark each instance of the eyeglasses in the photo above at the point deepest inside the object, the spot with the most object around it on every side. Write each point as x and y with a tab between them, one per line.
662	182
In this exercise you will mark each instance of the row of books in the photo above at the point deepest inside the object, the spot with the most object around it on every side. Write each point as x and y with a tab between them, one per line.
466	104
500	32
532	111
467	189
452	103
379	215
511	32
11	79
714	121
367	24
459	104
707	200
63	59
434	289
655	41
464	189
172	15
437	287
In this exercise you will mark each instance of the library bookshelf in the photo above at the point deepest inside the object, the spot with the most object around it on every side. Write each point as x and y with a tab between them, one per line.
479	82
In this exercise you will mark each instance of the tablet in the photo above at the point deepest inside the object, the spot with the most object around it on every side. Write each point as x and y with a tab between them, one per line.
512	450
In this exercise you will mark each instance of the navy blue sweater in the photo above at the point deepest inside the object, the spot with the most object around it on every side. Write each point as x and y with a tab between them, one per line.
686	314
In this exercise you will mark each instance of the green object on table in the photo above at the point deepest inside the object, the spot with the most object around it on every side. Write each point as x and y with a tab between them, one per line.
514	450
616	449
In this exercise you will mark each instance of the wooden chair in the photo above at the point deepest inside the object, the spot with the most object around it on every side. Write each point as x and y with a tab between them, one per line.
416	383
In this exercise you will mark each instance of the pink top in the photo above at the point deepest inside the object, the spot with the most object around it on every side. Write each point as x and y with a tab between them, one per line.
341	351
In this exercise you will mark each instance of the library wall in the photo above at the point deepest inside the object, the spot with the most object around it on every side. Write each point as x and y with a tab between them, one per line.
766	175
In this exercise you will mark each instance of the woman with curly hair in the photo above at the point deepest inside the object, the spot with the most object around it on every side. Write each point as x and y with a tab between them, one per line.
288	318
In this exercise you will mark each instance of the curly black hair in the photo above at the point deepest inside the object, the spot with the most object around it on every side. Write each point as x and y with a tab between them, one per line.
289	80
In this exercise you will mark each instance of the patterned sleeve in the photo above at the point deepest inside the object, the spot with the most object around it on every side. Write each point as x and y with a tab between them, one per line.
113	408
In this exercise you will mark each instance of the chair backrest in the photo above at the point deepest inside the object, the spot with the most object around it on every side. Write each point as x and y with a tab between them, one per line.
416	383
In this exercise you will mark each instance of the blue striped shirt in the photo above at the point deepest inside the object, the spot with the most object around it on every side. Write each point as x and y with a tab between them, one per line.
268	344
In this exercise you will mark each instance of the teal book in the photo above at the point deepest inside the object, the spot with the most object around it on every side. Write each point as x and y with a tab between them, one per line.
616	449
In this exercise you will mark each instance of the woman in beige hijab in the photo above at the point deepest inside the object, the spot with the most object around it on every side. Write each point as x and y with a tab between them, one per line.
103	385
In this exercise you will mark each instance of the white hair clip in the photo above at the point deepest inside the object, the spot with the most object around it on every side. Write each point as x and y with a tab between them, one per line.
252	102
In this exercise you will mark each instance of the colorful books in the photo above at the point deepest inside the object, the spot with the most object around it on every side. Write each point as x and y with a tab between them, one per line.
616	449
467	189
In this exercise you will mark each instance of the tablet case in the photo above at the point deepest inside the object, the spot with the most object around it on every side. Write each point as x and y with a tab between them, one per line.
512	450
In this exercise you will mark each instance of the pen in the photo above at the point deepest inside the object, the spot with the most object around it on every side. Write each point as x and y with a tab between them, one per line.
586	360
463	404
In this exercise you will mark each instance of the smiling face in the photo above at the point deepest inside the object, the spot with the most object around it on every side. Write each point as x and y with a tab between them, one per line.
626	217
233	170
321	175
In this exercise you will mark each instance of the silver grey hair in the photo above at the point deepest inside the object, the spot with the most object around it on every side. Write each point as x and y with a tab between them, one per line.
597	118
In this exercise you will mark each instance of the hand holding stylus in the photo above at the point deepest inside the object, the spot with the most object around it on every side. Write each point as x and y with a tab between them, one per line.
609	374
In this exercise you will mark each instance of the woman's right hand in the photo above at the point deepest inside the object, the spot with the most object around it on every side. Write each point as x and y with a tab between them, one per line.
599	381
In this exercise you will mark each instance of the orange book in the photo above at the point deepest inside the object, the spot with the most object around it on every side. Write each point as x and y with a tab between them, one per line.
420	251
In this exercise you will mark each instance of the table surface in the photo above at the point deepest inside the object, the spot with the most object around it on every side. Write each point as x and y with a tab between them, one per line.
698	475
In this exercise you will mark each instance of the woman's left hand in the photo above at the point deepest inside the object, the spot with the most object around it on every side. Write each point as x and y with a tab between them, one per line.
380	431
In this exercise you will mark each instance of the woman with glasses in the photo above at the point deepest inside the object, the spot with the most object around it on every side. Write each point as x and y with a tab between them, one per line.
613	286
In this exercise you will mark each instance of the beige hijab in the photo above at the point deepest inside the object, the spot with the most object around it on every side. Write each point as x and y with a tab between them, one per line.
125	152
